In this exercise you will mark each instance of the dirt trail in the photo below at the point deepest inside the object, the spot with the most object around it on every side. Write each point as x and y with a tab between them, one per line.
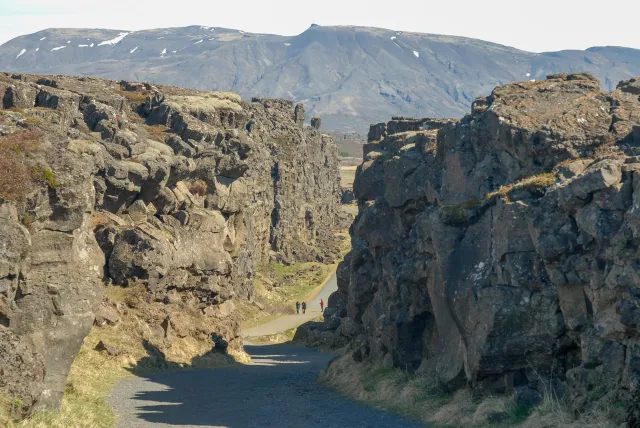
278	390
287	322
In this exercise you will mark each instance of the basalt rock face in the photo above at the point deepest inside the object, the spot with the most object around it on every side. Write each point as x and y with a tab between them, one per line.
180	193
501	250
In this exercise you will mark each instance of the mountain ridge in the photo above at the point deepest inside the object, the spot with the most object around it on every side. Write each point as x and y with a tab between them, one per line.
351	76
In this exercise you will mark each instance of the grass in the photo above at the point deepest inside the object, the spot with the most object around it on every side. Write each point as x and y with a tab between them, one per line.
93	374
414	395
157	132
276	289
536	185
91	378
197	187
464	212
208	102
33	121
286	336
298	280
347	176
47	176
9	406
468	211
16	175
138	97
418	396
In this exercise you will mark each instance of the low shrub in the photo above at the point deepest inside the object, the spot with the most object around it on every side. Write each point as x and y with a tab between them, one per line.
46	176
197	187
157	132
16	176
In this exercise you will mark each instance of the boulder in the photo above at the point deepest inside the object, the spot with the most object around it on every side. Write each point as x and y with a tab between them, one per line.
316	122
106	315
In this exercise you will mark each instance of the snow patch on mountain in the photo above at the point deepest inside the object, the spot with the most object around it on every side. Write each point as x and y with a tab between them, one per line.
58	48
115	40
21	53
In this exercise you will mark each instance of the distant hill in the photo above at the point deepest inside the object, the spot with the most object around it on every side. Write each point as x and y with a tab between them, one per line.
351	76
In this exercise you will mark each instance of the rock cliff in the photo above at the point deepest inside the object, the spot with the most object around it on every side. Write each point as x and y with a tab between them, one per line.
179	193
501	251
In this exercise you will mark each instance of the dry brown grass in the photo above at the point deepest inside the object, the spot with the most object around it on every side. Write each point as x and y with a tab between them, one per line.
419	397
16	174
415	396
347	176
208	102
277	287
536	184
272	339
157	132
197	187
33	121
93	374
138	97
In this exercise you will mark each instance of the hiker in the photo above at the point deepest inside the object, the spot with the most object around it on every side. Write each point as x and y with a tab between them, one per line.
298	308
304	307
322	306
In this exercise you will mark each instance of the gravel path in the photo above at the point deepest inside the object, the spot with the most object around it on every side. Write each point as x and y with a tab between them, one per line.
287	322
278	390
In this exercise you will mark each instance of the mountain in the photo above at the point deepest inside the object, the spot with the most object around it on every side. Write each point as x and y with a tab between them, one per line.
350	76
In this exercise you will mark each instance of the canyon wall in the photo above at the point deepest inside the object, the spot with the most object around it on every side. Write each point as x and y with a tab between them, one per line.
181	193
501	251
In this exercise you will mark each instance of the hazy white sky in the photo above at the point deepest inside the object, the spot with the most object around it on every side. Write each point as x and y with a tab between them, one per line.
539	25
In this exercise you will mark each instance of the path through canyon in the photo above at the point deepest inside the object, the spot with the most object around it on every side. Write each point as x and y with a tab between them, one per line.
286	322
277	389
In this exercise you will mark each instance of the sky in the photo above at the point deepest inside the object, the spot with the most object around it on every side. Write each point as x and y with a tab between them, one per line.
536	26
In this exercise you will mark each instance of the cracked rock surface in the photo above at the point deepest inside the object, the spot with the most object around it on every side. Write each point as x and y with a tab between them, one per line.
501	250
181	193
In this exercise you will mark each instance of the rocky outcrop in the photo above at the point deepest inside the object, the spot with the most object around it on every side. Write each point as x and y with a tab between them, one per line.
179	193
500	251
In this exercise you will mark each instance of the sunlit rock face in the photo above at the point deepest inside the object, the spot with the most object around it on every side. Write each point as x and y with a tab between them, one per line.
180	193
501	250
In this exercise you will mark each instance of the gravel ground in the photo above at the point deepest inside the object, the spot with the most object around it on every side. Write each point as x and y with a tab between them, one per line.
278	390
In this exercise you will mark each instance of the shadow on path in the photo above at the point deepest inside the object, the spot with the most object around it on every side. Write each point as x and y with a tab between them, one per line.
277	390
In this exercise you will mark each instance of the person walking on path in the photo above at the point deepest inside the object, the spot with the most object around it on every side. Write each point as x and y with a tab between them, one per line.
322	306
298	308
304	307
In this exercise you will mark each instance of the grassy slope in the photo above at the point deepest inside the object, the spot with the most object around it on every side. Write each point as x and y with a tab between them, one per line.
278	287
419	397
347	176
